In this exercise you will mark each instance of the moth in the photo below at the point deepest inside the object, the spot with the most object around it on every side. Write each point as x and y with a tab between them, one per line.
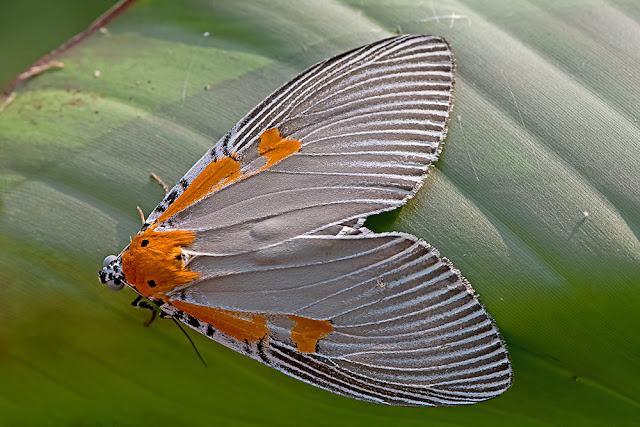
262	247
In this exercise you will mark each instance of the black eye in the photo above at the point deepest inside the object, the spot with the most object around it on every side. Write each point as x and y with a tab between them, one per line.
144	243
151	283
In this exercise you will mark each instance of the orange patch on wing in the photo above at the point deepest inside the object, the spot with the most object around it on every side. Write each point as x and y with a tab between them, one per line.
252	327
274	148
307	332
226	171
217	173
241	326
153	264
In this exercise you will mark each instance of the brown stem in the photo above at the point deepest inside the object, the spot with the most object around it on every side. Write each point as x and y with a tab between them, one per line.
48	61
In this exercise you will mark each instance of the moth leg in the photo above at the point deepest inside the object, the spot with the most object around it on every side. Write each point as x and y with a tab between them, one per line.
139	302
6	101
161	182
166	191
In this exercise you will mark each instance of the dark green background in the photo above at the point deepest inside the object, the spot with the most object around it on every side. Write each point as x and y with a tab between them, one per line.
545	127
30	29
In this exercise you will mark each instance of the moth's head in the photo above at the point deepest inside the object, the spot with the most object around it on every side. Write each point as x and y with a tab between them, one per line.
111	273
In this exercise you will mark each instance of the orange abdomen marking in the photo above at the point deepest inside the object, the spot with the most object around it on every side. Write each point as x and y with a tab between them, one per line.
153	261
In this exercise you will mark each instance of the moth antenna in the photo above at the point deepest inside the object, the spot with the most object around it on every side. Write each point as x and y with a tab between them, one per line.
190	340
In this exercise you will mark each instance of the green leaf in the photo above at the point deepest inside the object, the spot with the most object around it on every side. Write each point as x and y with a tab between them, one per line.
536	199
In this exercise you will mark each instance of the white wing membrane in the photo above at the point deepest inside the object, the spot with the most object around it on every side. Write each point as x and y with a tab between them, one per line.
268	208
407	328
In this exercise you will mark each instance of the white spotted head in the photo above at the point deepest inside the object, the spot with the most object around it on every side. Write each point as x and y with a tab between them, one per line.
111	273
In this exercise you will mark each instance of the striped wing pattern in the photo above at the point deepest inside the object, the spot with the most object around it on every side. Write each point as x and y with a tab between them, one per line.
408	329
370	120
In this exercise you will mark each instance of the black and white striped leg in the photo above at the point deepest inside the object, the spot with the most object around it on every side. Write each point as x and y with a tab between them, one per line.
139	302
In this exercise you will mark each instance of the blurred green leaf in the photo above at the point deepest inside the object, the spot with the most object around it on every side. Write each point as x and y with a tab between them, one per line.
30	29
536	199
